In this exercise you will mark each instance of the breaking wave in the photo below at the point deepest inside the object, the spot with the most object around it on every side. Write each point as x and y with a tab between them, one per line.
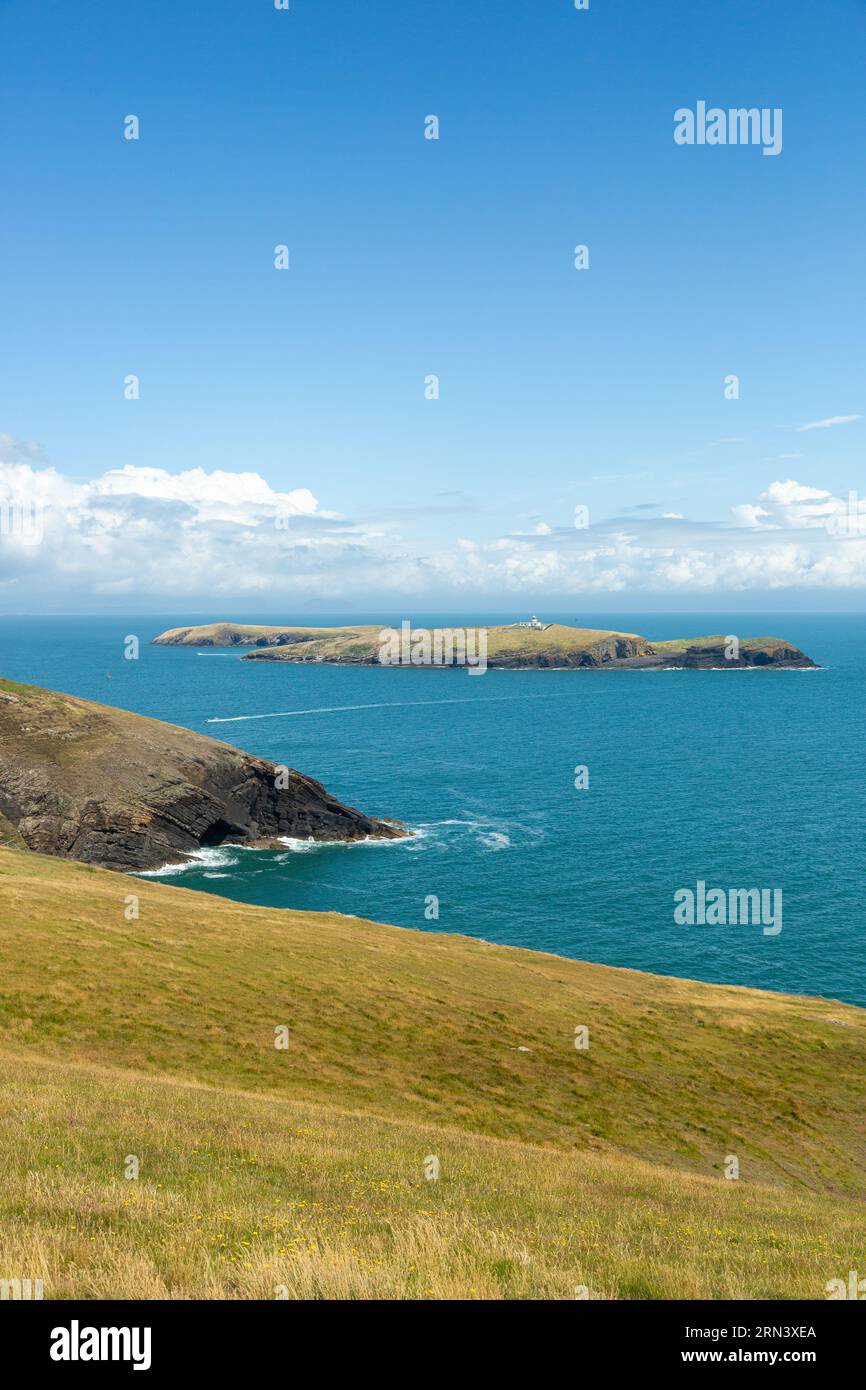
217	857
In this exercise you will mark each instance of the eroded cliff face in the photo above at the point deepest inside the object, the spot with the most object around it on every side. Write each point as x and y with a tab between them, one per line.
88	782
602	653
716	657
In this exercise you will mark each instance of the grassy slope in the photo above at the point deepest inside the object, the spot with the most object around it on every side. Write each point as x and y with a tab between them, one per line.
366	640
70	730
305	1167
240	1195
245	634
556	641
679	644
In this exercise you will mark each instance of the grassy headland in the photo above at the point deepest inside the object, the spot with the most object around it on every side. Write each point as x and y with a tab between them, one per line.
109	787
304	1167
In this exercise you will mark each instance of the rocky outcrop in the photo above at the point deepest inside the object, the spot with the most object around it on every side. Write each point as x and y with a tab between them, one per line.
254	635
717	656
714	658
88	782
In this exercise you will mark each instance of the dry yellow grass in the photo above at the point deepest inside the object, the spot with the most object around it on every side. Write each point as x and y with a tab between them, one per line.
245	1197
302	1171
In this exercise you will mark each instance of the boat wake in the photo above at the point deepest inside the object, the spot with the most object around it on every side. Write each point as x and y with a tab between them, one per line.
383	704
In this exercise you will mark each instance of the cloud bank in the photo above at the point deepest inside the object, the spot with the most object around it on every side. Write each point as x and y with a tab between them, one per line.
196	535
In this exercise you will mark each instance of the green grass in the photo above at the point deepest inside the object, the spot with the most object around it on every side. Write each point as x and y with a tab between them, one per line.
246	634
556	643
304	1167
679	644
363	642
249	1197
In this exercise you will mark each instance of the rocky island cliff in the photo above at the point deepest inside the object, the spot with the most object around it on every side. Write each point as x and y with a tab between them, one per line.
511	647
89	782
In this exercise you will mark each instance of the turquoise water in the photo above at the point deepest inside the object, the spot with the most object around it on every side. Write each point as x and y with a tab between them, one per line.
740	778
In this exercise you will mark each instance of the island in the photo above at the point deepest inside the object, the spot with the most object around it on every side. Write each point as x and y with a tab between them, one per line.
86	781
530	645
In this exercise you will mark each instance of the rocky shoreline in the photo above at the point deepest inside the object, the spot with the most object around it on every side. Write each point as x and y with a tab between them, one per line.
713	658
88	782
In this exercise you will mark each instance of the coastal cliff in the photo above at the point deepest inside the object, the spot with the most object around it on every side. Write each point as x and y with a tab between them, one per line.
508	647
715	654
85	781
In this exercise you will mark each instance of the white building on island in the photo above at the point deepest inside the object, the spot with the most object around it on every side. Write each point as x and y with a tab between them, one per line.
532	623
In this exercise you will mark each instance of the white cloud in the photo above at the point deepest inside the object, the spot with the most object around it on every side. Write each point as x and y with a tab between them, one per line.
18	450
221	534
798	505
791	491
146	530
749	514
829	423
794	537
217	496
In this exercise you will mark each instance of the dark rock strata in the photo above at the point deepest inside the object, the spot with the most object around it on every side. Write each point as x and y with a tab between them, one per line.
712	658
84	781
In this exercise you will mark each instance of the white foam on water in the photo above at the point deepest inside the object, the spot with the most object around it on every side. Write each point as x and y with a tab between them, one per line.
296	845
495	840
217	857
490	834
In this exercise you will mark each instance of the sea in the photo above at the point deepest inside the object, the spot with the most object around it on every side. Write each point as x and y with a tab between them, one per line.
736	779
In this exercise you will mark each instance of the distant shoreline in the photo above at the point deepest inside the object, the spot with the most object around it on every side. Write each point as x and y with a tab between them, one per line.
526	645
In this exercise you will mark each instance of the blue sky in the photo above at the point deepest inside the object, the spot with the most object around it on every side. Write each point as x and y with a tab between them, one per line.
411	257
